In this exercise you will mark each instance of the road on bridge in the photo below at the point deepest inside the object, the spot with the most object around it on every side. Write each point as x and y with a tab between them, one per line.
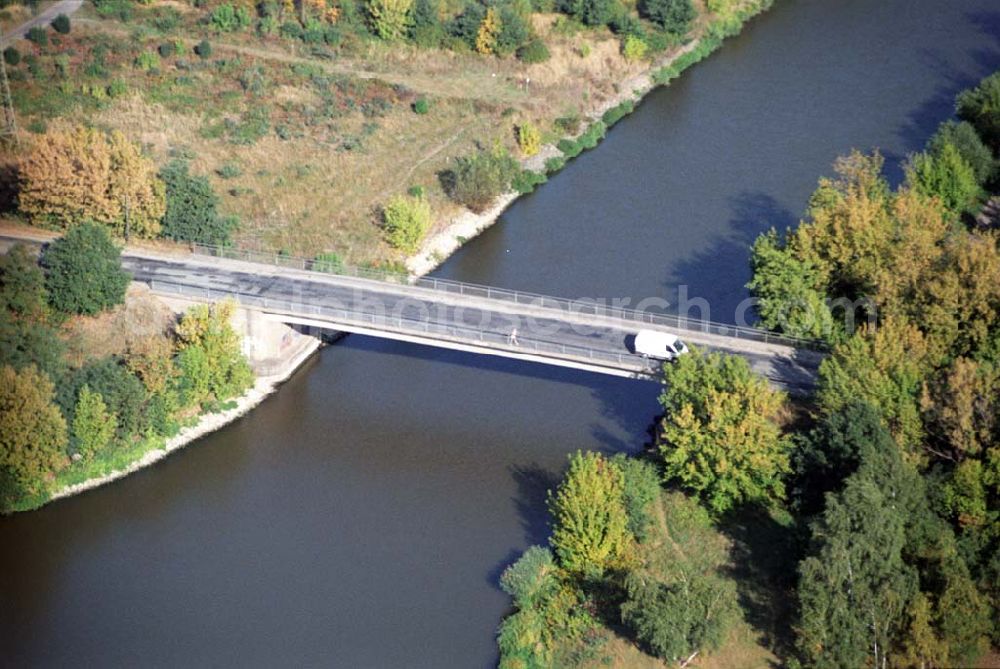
793	369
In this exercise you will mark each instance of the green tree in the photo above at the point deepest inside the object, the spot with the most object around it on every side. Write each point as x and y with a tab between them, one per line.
124	396
590	529
980	106
22	285
641	489
549	612
944	175
426	30
964	138
885	367
93	425
32	433
831	452
590	12
531	580
674	16
84	273
719	437
676	620
210	361
390	18
854	587
192	208
789	292
406	221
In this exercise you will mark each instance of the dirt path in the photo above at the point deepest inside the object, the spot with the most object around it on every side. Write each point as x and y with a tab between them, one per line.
66	7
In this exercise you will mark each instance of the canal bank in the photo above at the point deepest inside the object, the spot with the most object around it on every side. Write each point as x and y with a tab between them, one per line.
550	159
361	516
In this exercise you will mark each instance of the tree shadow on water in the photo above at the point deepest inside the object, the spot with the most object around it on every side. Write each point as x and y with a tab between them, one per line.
764	563
718	274
533	485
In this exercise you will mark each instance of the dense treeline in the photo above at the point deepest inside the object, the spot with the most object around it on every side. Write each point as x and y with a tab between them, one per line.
65	419
888	478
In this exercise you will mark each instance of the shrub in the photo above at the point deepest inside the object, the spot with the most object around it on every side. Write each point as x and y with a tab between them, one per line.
634	48
83	271
420	106
406	220
203	49
328	262
166	50
477	180
226	19
61	24
568	124
117	88
118	9
526	180
38	35
229	171
11	56
555	164
192	208
147	61
534	51
617	113
529	139
674	16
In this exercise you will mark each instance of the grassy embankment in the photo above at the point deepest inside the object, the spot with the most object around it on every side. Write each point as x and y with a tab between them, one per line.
306	142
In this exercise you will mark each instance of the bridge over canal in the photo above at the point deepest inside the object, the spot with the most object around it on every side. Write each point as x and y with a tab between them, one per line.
461	316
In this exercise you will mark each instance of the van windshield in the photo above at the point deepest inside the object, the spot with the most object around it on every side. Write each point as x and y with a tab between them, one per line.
679	345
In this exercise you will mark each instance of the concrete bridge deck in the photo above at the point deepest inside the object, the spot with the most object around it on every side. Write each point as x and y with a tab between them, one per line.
464	317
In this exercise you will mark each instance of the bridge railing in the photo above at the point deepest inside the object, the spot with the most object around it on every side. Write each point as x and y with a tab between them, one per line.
420	326
577	307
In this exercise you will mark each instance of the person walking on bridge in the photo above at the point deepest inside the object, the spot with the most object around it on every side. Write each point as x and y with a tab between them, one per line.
512	338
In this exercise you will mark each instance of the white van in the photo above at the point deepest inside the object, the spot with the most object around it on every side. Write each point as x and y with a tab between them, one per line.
659	345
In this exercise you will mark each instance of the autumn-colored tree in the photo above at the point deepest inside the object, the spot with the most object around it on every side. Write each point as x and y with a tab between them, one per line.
93	425
590	529
922	646
961	409
720	437
959	301
150	359
390	18
489	29
32	433
68	176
